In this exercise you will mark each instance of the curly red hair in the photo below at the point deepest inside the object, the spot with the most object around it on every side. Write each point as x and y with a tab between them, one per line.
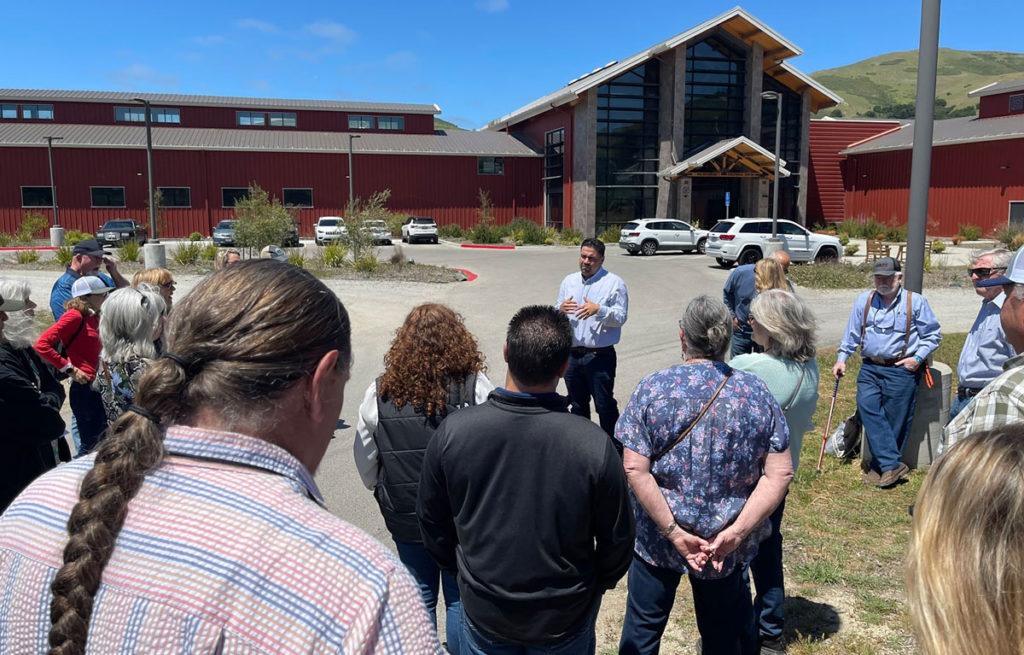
431	349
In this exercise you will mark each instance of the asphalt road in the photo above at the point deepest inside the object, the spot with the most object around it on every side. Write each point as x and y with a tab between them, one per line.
659	287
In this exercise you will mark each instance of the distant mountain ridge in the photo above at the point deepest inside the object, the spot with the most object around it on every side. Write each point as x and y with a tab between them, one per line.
889	82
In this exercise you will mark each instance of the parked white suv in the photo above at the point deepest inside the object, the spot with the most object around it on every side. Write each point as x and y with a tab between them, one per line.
379	230
741	240
649	235
419	228
330	228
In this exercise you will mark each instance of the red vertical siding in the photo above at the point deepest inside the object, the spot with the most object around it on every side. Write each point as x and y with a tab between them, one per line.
825	200
997	105
970	184
533	131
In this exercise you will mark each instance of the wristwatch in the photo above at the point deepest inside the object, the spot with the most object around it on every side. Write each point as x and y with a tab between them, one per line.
667	530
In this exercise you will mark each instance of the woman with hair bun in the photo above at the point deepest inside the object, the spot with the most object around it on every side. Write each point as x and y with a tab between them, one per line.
197	527
433	368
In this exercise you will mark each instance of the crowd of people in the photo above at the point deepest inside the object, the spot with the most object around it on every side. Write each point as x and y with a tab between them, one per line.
187	518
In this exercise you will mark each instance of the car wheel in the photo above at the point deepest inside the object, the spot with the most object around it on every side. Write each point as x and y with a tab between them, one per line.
702	246
749	256
633	252
827	256
724	263
649	247
434	241
405	239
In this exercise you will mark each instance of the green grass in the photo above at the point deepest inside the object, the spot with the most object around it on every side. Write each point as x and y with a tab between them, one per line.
858	276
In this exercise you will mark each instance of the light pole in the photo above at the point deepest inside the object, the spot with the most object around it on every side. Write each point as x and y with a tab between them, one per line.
149	167
351	194
777	97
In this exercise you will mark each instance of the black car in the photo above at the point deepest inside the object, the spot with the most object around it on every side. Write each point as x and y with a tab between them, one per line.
121	230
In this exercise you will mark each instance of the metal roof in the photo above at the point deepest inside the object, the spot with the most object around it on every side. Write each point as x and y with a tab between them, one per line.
736	21
456	142
51	95
997	87
741	156
949	132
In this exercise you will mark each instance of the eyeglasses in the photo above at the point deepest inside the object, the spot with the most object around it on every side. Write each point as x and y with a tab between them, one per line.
167	285
984	272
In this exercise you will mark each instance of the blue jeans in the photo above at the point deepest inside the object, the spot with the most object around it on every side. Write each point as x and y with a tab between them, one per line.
886	398
743	341
473	642
957	406
766	570
725	616
426	573
87	407
592	374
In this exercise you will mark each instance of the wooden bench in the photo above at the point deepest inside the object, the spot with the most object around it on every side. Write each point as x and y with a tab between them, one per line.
875	250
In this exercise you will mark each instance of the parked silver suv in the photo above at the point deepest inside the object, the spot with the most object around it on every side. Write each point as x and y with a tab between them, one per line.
419	228
649	235
741	240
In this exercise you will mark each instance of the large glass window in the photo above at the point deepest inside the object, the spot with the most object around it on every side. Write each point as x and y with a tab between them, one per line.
164	115
282	119
1016	103
175	196
297	197
790	127
715	90
490	165
627	146
8	111
251	118
391	123
230	195
107	196
360	122
554	167
37	112
130	114
36	196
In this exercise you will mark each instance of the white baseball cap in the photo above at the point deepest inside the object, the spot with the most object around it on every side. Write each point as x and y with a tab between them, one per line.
273	252
88	285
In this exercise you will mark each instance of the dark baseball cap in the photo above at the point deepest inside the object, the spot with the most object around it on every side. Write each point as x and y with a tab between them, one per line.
886	266
89	247
1014	273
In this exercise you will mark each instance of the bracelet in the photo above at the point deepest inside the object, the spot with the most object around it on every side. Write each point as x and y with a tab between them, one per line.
919	360
667	530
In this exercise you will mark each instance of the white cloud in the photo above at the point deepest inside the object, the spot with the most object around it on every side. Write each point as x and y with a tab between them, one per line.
492	6
207	41
138	76
256	24
340	34
401	59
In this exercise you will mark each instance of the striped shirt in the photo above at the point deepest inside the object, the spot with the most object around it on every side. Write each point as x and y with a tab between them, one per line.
227	548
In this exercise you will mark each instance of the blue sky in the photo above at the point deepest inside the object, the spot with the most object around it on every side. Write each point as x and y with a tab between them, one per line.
476	59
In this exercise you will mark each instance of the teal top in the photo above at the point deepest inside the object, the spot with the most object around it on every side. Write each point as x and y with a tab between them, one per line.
781	376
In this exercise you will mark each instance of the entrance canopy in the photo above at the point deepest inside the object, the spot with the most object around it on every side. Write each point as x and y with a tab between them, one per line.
739	157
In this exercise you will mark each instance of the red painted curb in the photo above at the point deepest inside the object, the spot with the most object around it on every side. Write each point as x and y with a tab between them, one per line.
28	248
470	276
473	245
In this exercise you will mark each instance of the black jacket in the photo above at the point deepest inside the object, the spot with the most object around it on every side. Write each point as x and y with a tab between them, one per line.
530	504
30	402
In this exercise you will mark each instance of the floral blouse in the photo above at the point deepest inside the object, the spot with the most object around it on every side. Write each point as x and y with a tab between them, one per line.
117	384
708	476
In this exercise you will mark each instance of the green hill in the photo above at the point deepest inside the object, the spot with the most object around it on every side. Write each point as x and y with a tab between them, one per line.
890	82
440	124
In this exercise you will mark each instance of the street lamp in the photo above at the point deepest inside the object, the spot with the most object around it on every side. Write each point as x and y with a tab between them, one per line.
351	195
149	166
777	97
53	187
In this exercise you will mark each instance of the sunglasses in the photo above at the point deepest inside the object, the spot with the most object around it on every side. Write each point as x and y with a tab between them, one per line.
983	272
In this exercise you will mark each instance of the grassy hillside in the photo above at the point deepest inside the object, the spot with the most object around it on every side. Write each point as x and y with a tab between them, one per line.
891	80
444	125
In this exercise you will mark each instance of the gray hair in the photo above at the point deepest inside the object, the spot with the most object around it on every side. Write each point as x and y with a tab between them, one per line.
127	323
707	328
789	322
20	328
1000	256
1018	291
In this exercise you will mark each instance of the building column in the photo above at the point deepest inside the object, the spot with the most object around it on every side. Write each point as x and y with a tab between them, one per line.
684	199
805	157
584	164
666	145
755	84
763	188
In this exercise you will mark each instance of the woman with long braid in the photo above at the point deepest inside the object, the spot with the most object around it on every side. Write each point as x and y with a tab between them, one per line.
197	527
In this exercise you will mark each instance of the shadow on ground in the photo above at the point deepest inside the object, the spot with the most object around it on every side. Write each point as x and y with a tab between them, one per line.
810	620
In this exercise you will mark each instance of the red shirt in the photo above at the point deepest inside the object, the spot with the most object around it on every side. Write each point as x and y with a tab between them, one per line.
84	351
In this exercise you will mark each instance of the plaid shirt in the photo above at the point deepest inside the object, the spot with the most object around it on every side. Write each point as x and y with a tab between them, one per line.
227	548
1001	402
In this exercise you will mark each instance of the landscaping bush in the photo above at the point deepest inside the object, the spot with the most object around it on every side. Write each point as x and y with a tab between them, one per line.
394	222
262	221
570	236
297	259
1017	242
71	237
869	228
63	256
27	256
896	233
611	234
129	252
1007	236
195	236
970	232
5	239
851	249
333	254
938	247
187	253
522	231
367	263
844	238
451	231
208	252
485	233
33	225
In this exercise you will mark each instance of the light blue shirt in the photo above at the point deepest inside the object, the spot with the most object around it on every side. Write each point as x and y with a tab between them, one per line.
986	348
887	328
61	291
607	290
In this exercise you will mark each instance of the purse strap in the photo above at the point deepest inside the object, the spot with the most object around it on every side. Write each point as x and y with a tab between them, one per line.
690	427
803	371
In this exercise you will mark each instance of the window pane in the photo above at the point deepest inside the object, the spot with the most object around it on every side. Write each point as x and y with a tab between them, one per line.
230	195
490	165
391	123
297	197
36	196
171	196
360	122
107	196
165	115
8	111
280	119
37	112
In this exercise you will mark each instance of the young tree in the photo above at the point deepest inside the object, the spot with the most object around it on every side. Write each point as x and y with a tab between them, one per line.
360	240
262	220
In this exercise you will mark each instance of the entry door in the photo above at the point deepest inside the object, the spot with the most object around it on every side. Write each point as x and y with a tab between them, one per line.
708	199
1017	214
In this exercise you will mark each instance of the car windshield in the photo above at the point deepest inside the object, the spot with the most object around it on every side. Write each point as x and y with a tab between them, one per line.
117	225
722	226
376	224
630	226
225	225
328	222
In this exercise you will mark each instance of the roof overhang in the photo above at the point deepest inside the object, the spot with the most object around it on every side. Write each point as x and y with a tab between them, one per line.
737	22
739	157
995	88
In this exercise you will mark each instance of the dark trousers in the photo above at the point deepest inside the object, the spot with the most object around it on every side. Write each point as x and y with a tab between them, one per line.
743	341
592	374
886	398
766	570
725	616
474	642
87	406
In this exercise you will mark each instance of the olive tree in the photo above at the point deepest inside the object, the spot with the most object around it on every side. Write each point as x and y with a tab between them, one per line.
262	220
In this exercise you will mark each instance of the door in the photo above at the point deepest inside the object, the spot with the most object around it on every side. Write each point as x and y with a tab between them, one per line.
798	241
1017	214
684	235
708	199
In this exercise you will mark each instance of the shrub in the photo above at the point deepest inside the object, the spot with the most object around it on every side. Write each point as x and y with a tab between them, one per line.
851	250
451	231
844	238
969	232
5	239
367	263
208	252
129	252
485	233
570	236
195	236
394	222
938	247
262	221
611	234
523	231
71	237
896	233
957	240
63	256
868	228
357	213
32	226
1007	236
297	259
333	254
187	253
27	256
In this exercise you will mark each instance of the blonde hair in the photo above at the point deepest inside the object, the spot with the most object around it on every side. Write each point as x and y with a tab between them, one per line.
154	276
965	566
768	274
221	259
789	322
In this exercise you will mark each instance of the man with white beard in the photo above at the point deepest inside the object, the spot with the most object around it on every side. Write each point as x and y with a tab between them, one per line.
30	397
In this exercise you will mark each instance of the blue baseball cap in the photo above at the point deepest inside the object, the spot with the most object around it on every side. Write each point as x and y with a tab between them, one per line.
1014	273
